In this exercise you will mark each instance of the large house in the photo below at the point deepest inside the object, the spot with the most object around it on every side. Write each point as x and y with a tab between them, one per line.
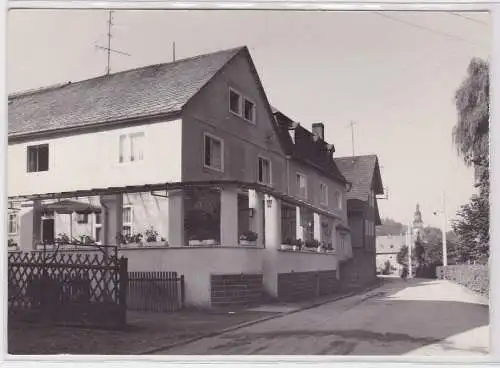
363	172
184	167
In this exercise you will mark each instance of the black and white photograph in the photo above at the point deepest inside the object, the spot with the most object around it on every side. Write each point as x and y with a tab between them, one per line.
248	182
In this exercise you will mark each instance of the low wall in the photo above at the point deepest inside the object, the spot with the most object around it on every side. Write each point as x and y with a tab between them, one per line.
292	261
236	289
304	275
197	264
473	277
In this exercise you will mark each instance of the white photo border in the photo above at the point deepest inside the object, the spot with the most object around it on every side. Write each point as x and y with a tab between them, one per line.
265	361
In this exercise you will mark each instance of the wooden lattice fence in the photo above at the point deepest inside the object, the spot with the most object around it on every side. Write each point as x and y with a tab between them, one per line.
67	288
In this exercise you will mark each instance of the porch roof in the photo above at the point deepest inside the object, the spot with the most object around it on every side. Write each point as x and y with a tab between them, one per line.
175	186
69	206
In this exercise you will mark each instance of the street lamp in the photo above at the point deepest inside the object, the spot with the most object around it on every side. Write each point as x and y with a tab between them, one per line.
443	213
409	245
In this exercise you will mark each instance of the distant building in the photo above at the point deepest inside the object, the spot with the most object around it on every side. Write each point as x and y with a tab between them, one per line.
388	247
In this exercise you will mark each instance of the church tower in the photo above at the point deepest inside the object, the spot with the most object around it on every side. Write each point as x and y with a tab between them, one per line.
418	224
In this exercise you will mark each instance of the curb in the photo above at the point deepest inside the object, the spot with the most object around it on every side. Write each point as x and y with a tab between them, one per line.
259	320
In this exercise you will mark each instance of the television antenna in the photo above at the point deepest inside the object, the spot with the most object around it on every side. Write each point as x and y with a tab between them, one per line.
108	48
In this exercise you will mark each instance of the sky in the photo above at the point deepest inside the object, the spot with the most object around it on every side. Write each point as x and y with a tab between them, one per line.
393	74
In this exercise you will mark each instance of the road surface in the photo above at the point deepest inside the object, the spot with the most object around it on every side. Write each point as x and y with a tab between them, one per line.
417	317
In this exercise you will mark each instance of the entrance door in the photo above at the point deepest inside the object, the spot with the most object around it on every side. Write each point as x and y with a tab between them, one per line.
48	225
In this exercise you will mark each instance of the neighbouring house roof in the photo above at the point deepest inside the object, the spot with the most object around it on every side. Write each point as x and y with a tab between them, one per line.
389	243
304	147
153	90
363	172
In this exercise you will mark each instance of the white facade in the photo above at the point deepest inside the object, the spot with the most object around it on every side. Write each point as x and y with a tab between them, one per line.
92	160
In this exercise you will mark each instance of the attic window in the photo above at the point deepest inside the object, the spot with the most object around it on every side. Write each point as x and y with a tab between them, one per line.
249	111
234	102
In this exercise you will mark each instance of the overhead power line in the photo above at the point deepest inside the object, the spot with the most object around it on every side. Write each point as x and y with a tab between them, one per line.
477	21
435	31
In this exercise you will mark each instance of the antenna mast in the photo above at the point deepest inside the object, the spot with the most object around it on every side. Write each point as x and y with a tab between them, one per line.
108	49
352	139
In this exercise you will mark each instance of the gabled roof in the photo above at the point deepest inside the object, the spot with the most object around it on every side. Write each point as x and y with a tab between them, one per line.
305	148
143	92
364	174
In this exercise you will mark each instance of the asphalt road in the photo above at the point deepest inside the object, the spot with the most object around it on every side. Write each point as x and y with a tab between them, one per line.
417	317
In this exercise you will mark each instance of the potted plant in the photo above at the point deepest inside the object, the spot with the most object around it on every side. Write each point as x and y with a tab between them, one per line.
312	244
248	238
195	240
297	244
287	244
329	248
12	245
152	237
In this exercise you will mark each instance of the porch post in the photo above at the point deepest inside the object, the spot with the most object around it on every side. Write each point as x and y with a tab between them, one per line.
113	217
229	217
272	210
256	222
299	229
175	218
30	224
317	226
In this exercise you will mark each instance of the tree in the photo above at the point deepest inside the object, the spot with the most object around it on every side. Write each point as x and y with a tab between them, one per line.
390	227
470	136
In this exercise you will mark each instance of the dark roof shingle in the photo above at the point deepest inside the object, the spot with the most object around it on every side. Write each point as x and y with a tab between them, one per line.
361	171
147	91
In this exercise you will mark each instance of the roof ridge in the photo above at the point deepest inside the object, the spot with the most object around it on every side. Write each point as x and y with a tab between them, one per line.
29	92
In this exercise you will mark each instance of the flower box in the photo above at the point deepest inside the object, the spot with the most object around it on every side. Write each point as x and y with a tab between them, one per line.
286	247
248	242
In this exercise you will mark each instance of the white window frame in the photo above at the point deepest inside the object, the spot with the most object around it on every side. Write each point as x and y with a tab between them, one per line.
339	199
254	110
240	113
131	220
297	182
259	158
15	221
221	141
98	225
325	201
125	155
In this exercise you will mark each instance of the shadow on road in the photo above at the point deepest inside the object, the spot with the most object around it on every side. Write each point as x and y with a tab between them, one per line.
395	319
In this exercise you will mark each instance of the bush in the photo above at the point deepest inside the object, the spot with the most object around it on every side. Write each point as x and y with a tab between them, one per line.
473	277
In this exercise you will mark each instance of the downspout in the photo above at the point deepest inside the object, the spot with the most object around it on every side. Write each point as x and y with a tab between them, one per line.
287	158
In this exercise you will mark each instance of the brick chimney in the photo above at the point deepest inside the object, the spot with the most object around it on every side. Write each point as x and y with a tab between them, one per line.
319	130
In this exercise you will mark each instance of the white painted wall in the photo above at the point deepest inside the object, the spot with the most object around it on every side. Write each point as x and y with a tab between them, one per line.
86	161
289	261
196	264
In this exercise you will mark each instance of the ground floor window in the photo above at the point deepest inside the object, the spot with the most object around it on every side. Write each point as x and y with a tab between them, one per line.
288	224
202	216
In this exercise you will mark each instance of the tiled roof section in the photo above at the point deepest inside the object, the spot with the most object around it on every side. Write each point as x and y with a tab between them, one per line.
151	90
304	147
362	172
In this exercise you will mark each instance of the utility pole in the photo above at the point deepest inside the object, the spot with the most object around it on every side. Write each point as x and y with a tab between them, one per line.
445	248
108	48
352	139
408	242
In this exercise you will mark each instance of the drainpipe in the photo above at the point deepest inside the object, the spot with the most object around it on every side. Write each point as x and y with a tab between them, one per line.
287	158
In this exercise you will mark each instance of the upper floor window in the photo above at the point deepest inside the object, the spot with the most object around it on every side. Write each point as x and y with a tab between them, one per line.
301	185
131	147
338	199
241	106
249	111
213	153
234	102
12	224
264	171
323	193
38	158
